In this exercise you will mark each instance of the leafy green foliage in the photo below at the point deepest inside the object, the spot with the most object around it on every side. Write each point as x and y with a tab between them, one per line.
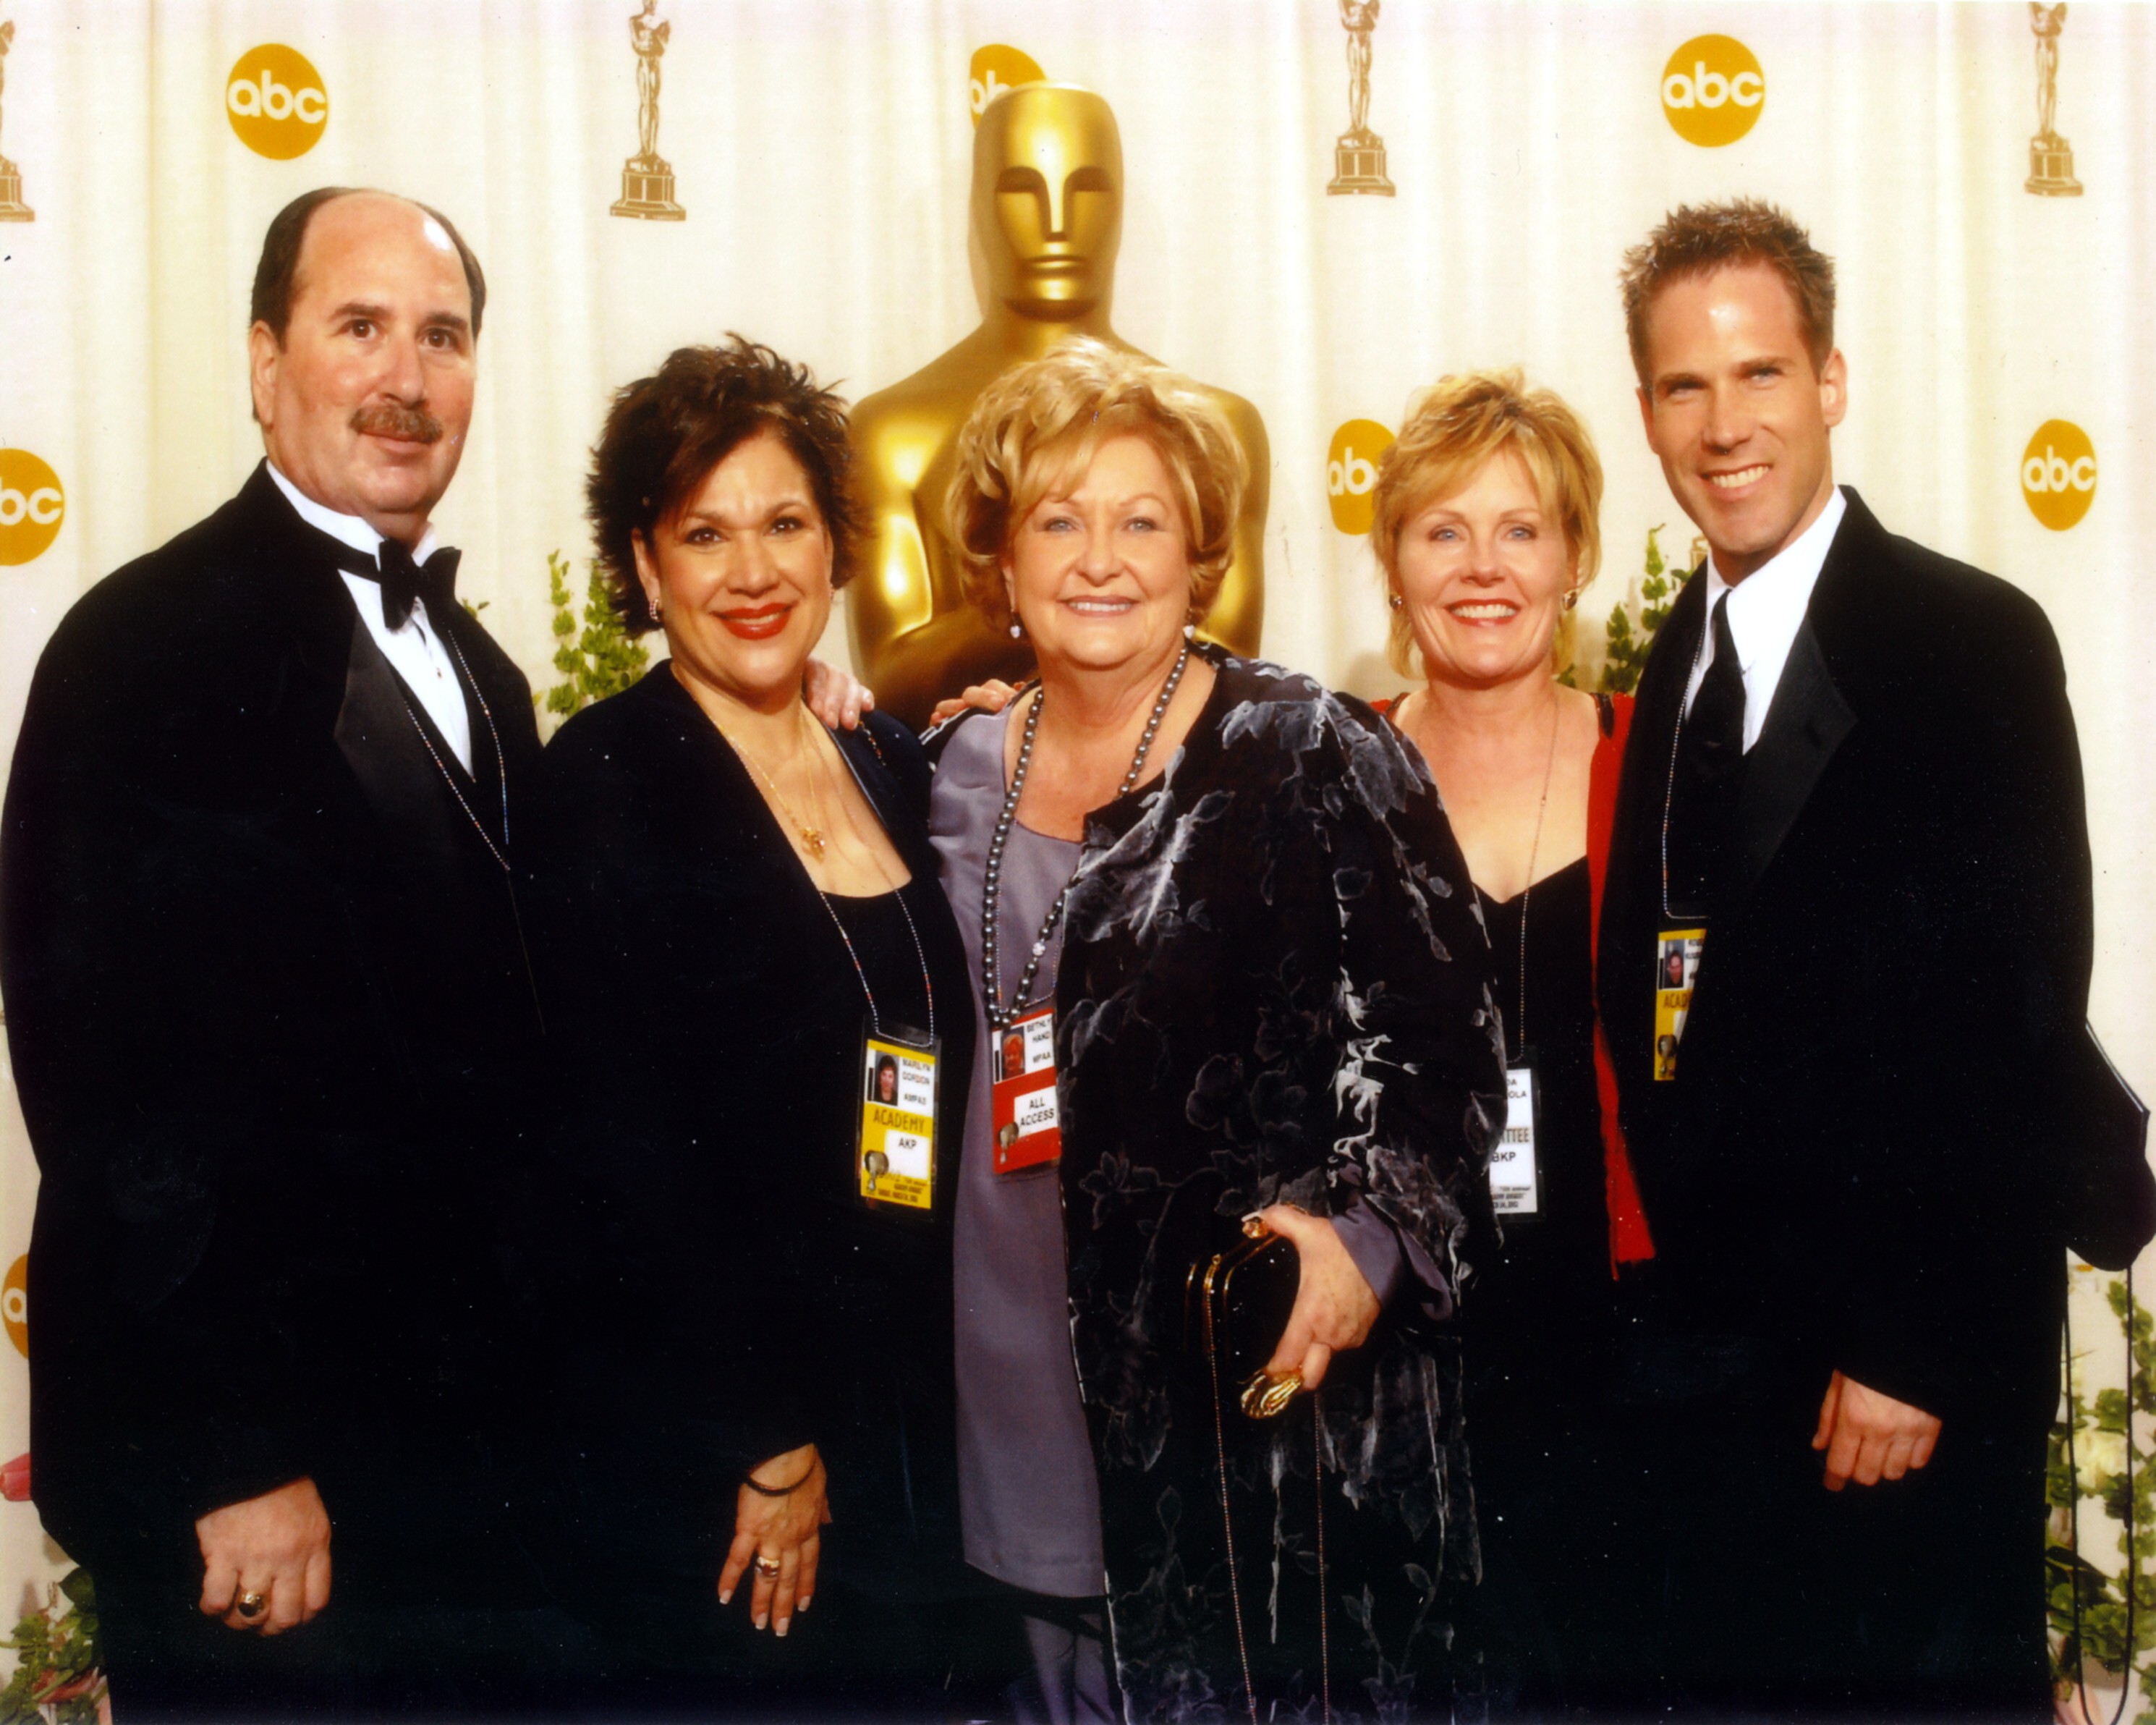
598	660
2097	1456
56	1653
1626	641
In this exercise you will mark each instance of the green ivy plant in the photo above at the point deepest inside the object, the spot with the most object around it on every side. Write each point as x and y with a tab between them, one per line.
57	1679
599	660
2089	1609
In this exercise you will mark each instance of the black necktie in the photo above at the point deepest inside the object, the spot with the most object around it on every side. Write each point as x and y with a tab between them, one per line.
403	580
1709	769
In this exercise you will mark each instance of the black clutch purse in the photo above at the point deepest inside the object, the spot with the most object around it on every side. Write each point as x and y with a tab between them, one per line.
1235	1304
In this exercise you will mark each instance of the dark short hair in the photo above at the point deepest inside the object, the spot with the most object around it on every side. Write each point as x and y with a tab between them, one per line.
1698	239
277	272
664	434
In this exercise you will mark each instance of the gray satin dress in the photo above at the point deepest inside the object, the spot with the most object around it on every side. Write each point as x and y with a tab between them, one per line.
1027	1495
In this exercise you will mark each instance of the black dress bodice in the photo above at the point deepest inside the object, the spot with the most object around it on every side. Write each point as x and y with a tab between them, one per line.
1538	1325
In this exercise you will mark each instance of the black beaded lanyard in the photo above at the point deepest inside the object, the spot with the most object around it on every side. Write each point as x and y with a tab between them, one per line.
1000	1017
927	987
1677	738
498	852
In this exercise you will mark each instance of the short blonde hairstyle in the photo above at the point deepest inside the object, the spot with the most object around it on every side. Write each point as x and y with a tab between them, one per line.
1036	428
1455	428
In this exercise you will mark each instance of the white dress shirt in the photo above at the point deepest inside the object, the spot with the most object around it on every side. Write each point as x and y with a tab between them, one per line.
417	652
1766	609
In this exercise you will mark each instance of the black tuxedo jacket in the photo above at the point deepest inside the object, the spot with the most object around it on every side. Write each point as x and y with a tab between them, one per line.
1860	1164
258	962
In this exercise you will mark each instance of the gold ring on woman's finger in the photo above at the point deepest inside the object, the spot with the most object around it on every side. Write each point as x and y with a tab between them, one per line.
765	1566
250	1605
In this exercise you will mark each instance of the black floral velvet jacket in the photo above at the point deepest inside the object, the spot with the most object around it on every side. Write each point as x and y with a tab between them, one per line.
1275	987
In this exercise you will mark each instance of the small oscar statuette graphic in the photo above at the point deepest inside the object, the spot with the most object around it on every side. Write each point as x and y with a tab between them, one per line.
12	206
2050	157
1358	159
647	178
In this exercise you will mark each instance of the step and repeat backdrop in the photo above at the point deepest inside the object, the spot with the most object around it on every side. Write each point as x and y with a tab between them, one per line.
1326	205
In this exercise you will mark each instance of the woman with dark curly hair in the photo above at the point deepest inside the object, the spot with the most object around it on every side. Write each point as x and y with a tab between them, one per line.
745	959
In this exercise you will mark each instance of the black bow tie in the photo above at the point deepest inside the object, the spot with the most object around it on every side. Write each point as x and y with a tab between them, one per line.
403	580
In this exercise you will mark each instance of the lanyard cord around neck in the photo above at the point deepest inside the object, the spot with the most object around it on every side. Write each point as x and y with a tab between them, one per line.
501	767
1534	850
927	987
1676	738
999	1016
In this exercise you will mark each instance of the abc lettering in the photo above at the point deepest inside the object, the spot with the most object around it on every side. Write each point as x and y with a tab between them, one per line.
1351	473
2051	471
1710	89
983	94
42	506
274	102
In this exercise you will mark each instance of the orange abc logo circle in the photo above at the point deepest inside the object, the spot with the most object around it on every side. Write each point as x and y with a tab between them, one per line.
1713	91
1351	472
275	101
32	506
996	69
2058	473
15	1304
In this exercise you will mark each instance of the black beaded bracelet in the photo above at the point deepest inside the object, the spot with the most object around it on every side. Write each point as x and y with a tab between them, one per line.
778	1491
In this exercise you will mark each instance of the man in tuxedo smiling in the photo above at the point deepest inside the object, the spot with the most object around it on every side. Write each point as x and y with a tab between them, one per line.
1854	778
263	973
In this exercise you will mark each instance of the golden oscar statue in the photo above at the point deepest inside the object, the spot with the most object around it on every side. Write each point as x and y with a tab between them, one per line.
2050	157
1047	217
12	206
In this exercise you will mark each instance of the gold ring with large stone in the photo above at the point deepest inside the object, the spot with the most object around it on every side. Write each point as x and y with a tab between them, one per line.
250	1604
765	1566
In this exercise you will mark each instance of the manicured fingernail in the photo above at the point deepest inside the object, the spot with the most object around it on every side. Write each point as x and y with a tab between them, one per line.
760	1618
784	1624
801	1605
726	1596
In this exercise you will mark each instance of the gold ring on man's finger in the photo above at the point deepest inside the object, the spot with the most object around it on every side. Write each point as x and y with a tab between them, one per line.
250	1605
765	1566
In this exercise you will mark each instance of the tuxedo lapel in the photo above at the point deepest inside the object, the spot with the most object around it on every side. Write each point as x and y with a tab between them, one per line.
1644	789
1805	725
400	760
1810	715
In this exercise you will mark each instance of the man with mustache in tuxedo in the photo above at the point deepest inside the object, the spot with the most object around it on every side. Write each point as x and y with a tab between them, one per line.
262	972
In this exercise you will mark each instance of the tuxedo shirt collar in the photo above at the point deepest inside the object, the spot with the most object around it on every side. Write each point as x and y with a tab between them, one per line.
345	529
1766	610
415	648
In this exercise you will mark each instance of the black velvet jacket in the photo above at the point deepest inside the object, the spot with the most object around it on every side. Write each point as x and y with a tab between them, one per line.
1275	987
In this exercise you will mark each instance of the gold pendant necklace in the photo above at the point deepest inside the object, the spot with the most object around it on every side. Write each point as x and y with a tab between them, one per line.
811	836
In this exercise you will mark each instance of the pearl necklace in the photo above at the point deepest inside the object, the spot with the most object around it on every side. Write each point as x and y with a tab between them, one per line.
999	1016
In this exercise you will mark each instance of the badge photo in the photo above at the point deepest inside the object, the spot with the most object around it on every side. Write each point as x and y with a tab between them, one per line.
1676	970
1028	1123
896	1161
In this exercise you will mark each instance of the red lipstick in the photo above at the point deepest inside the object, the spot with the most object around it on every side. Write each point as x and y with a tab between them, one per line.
759	623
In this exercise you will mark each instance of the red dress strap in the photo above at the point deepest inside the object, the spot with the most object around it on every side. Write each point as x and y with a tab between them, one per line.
1631	1240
